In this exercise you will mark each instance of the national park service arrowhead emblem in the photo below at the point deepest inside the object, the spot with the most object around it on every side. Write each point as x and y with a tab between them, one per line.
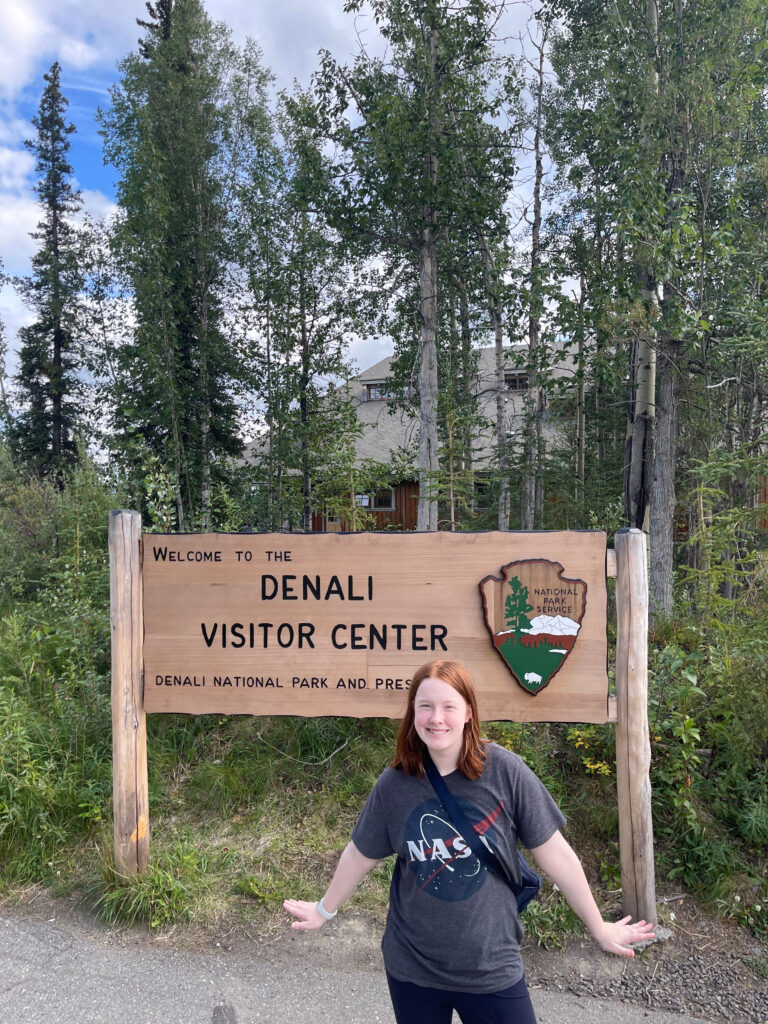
533	614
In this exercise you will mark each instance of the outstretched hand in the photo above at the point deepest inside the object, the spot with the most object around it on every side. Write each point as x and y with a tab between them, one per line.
307	914
618	936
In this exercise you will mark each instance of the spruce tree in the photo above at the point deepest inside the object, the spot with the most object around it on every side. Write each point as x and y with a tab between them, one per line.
183	119
48	392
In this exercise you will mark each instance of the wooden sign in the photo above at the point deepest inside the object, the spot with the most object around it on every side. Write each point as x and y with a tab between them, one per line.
330	624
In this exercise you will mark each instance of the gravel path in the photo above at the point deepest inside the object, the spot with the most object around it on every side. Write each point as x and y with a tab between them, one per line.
708	969
54	972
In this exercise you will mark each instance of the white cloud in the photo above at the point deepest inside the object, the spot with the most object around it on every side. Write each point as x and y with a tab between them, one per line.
290	33
15	167
99	206
79	33
77	54
85	34
13	315
18	216
23	30
14	130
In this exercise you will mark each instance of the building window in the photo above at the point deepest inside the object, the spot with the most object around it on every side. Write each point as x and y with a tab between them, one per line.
383	500
386	392
373	392
515	380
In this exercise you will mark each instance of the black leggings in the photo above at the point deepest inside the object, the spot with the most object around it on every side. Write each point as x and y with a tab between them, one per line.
414	1004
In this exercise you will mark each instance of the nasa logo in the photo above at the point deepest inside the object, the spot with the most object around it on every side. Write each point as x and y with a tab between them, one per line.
441	860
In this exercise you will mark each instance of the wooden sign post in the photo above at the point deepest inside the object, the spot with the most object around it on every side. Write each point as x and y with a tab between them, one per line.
336	624
633	744
129	729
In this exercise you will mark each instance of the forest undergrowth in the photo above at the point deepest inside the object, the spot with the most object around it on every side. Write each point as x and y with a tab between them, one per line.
245	811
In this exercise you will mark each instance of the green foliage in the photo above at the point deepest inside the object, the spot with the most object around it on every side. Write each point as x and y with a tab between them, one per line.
550	920
53	535
302	310
188	115
264	888
160	490
709	729
164	894
597	755
55	774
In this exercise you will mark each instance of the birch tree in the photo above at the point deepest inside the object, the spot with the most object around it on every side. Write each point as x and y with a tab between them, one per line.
398	125
671	95
299	312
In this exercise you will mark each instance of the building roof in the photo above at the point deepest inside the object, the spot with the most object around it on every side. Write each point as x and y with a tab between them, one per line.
389	428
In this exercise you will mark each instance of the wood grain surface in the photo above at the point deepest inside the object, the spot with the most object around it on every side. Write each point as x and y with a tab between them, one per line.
336	624
129	728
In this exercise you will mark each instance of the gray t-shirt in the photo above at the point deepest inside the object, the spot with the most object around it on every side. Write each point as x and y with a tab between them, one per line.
452	924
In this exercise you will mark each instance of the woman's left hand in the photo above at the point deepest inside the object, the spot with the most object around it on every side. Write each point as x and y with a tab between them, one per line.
618	936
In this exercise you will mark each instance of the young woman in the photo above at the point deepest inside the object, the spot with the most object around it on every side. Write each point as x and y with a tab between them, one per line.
452	939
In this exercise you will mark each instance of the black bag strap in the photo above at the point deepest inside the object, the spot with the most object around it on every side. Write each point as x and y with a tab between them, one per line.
464	827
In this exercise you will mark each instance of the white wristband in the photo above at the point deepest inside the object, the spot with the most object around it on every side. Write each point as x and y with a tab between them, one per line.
323	912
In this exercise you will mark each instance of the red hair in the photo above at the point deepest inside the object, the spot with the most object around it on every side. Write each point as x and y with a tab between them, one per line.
410	748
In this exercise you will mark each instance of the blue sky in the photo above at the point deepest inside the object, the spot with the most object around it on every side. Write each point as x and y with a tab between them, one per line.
89	39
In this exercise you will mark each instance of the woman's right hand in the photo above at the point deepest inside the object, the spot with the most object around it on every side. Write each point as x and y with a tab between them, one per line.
307	915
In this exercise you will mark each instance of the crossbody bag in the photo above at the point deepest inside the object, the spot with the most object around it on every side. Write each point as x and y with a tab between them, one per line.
529	883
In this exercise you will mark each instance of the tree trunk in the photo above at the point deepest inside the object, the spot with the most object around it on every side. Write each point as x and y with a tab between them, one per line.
271	421
641	409
57	376
664	464
205	423
581	441
495	314
428	384
205	459
663	500
306	479
532	490
451	420
428	388
467	370
641	412
57	420
177	459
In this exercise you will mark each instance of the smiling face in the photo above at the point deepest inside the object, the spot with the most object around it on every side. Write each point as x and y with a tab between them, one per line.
440	714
